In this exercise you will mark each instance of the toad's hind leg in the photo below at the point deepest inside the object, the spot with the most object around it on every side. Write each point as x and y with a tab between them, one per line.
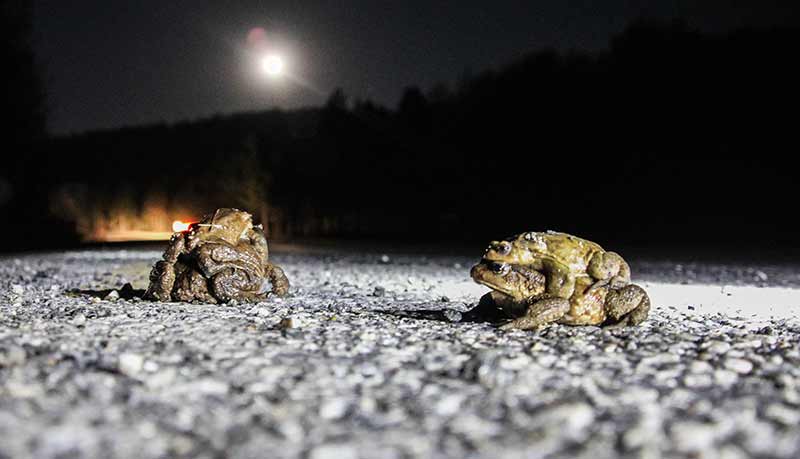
540	313
234	284
609	266
628	305
278	279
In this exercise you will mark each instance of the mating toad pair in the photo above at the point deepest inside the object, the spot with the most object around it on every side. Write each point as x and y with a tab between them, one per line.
221	258
536	278
542	278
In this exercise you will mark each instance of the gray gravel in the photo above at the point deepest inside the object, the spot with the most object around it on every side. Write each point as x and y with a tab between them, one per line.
326	374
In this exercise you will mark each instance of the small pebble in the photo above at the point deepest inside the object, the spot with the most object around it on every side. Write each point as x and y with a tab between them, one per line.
452	315
12	355
290	322
783	414
718	347
699	366
724	378
79	319
333	451
130	364
150	366
333	409
693	437
740	366
698	380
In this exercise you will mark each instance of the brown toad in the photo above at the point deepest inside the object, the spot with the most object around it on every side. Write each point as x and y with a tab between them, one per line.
222	257
520	293
563	258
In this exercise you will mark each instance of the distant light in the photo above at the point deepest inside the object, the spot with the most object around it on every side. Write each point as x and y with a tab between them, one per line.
179	226
272	65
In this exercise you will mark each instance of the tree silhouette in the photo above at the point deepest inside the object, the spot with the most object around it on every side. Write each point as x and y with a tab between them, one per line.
414	110
629	145
337	101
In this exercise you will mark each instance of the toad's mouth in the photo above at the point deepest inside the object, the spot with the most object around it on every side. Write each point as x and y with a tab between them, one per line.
495	287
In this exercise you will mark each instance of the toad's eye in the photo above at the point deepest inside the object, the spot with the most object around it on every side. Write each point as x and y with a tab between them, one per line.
500	268
503	248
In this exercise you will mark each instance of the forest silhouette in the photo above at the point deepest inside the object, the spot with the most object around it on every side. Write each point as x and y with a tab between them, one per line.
670	136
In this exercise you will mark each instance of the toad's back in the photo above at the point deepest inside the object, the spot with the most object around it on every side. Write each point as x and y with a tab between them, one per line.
566	249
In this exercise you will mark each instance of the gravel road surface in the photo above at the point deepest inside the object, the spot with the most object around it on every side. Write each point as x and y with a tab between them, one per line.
336	371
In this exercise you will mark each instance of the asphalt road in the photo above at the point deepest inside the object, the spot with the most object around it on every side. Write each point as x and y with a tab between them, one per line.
336	371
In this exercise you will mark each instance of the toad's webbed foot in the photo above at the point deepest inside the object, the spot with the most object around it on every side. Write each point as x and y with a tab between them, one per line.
628	305
278	279
540	313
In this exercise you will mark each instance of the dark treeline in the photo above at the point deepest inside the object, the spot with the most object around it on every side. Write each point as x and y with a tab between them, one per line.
669	137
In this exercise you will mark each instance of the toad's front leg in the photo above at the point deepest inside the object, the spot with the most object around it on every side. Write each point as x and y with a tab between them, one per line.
560	280
162	279
163	274
258	241
278	279
539	314
488	310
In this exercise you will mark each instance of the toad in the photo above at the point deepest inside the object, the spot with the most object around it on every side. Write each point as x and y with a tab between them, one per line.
221	258
519	292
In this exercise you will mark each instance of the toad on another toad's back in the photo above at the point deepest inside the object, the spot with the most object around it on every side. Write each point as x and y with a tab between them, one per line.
562	258
222	257
520	293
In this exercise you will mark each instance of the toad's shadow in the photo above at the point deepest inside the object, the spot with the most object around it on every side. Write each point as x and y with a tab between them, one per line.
127	292
485	312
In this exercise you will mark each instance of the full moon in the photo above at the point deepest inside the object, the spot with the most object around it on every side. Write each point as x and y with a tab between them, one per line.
272	65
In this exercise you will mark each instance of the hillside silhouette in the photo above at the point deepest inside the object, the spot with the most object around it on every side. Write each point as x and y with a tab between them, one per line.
668	137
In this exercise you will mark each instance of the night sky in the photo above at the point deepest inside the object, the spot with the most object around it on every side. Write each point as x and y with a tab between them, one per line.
113	63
